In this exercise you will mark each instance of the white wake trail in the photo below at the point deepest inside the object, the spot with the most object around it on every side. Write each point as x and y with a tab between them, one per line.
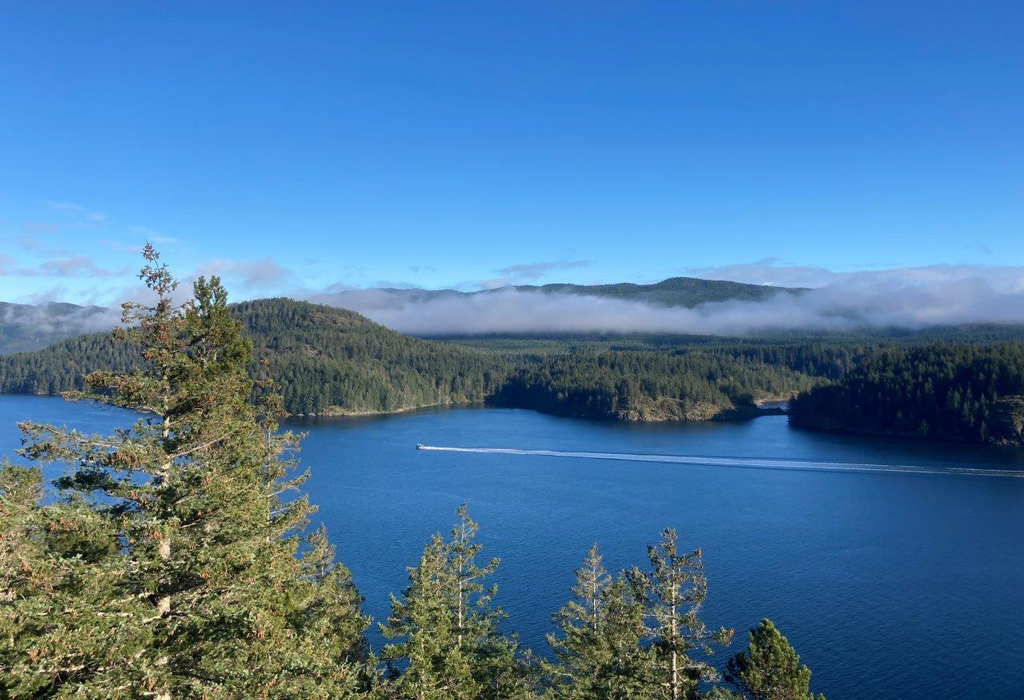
739	462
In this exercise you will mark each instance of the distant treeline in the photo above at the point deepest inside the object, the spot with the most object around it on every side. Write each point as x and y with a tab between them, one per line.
972	393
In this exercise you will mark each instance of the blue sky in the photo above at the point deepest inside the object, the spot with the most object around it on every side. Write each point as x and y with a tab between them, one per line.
302	145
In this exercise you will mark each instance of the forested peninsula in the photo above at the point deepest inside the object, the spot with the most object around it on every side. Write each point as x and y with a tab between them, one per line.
964	393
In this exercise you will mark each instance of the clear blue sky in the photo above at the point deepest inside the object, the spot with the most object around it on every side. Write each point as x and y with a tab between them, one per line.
435	143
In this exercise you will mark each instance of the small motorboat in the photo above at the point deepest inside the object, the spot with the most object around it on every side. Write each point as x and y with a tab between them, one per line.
419	445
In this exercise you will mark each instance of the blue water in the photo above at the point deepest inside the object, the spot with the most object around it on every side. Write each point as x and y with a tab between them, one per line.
903	583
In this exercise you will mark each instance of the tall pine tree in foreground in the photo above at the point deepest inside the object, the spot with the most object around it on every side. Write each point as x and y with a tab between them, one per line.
598	647
770	669
170	565
447	642
675	589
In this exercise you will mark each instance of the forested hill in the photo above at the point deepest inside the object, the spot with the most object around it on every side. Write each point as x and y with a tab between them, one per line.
327	360
972	393
330	360
675	291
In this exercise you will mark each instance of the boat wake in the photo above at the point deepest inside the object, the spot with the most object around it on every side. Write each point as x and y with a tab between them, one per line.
739	462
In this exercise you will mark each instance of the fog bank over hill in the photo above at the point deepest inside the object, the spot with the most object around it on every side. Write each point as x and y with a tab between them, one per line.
29	326
816	300
912	298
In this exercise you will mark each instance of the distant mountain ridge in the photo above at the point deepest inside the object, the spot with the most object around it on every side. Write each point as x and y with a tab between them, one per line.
674	291
25	327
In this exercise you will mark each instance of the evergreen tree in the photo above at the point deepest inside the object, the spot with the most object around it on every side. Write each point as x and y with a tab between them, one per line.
770	669
449	645
675	590
62	619
171	564
598	649
168	563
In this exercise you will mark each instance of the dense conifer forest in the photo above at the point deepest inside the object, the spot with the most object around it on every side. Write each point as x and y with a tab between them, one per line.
971	393
332	361
650	386
324	360
169	565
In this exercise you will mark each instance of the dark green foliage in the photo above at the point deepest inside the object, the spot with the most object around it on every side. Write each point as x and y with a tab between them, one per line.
674	592
447	642
169	565
327	361
599	647
629	385
63	366
962	392
770	669
639	636
324	360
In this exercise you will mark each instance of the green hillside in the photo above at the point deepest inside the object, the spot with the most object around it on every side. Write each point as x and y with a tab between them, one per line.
324	360
329	361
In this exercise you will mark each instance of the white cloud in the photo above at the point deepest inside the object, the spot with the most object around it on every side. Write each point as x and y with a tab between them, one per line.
40	227
63	206
152	235
77	266
906	297
529	272
254	274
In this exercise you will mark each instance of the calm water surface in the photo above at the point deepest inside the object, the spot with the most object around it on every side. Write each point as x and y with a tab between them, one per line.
890	585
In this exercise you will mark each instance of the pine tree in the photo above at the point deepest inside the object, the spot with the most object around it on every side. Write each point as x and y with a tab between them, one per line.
770	669
198	582
449	645
62	616
675	590
598	650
